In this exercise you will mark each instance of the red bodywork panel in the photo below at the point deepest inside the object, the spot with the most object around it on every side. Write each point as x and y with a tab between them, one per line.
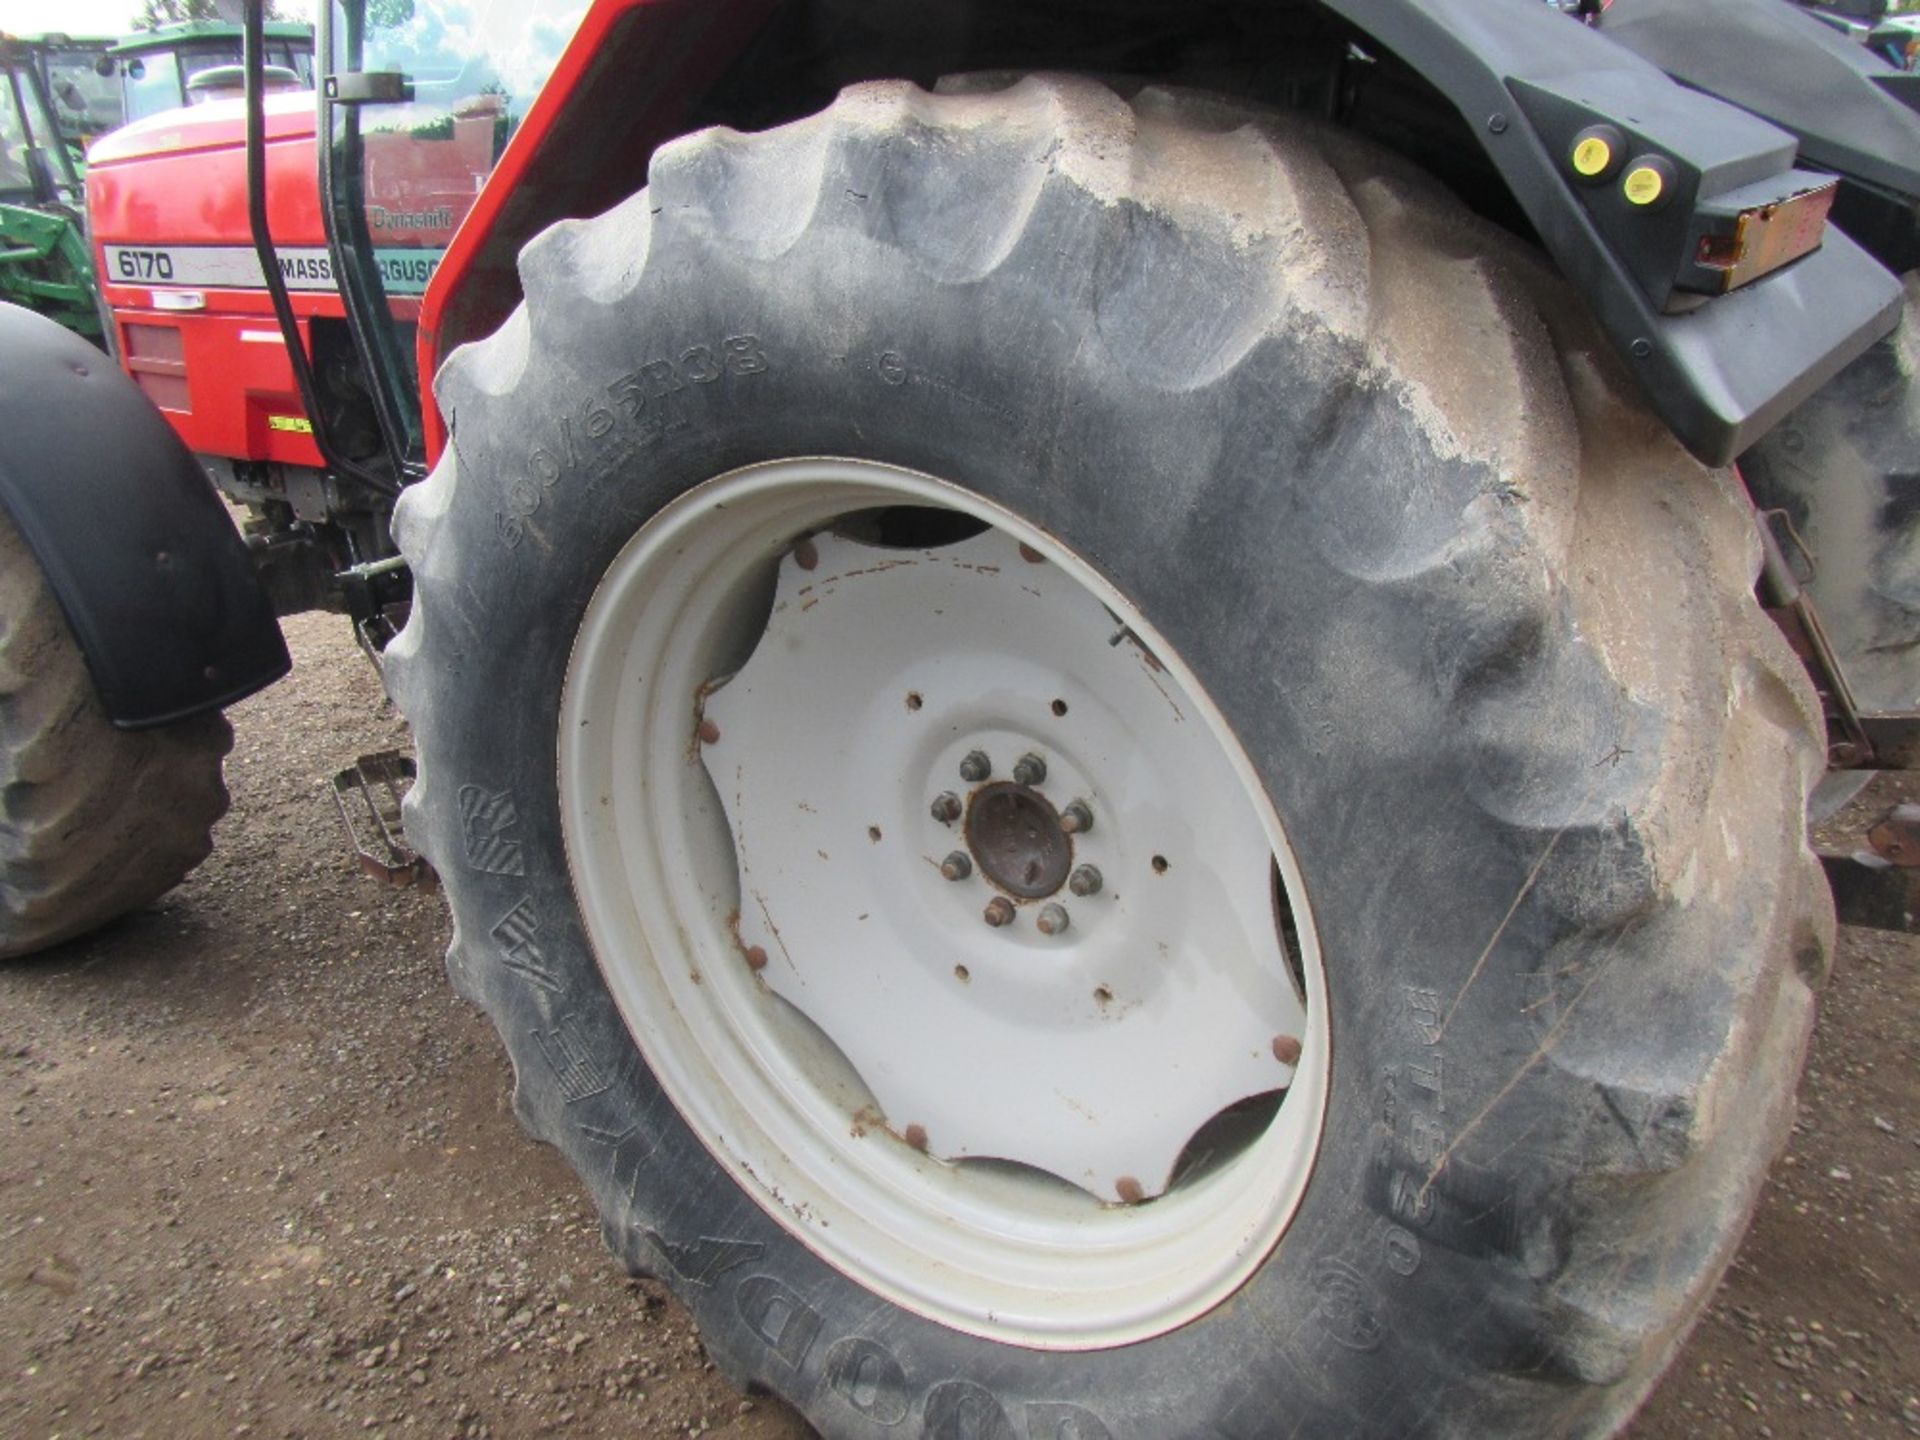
165	197
168	202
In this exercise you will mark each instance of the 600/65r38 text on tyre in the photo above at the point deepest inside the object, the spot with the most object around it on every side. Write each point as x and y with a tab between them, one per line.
842	512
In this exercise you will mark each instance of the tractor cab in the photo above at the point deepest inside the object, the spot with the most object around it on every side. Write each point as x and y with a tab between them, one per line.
85	103
44	263
162	69
35	167
419	106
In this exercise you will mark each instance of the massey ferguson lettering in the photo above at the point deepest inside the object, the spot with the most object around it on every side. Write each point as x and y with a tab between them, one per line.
306	269
407	274
404	270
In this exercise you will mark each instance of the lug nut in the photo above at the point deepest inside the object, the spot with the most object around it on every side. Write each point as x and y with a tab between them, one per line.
946	807
956	866
976	767
1076	819
1085	881
1029	770
999	912
1053	919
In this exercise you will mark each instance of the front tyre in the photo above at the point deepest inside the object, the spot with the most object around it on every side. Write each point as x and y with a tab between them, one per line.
845	510
94	821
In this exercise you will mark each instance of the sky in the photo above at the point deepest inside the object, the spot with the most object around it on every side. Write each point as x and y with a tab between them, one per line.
92	17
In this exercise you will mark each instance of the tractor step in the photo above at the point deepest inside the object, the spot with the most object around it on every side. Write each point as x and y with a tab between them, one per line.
368	794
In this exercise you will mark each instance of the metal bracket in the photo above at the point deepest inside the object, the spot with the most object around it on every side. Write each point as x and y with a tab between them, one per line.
1791	608
369	87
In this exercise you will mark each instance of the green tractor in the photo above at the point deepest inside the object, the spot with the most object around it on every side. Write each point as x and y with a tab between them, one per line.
193	60
44	262
81	90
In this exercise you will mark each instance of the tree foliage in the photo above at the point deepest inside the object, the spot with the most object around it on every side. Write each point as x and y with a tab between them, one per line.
155	13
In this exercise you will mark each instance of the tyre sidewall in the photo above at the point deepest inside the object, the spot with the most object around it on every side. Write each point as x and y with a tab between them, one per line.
1222	514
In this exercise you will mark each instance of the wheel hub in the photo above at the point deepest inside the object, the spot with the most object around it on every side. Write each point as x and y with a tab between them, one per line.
1118	1019
1016	836
754	732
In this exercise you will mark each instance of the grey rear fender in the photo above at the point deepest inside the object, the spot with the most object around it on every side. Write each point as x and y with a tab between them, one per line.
1530	82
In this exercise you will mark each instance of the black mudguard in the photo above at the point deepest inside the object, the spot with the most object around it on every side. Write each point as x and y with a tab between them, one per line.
1851	113
1526	78
134	542
1779	62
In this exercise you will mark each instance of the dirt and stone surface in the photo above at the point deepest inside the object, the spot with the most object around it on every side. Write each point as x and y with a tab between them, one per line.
259	1175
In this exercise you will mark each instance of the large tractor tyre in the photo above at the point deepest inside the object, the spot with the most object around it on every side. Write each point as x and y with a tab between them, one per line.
1844	469
94	821
1104	785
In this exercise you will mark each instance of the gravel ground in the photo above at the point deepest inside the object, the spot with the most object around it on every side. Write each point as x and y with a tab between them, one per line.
259	1175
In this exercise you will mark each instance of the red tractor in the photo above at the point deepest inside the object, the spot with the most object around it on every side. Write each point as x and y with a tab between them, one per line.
1094	684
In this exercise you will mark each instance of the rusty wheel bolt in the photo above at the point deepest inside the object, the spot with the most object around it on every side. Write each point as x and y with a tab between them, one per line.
956	866
1085	881
976	767
1076	819
1053	919
946	807
999	912
1029	770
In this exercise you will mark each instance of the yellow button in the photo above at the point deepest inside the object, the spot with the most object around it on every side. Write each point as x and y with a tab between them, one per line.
1592	156
1643	185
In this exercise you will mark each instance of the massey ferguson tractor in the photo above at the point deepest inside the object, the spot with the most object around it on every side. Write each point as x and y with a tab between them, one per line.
1118	700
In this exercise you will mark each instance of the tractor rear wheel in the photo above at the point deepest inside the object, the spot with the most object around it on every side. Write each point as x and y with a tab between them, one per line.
880	523
1841	469
94	821
1840	474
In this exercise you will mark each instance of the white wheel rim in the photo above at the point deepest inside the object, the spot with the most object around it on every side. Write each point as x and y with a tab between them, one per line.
778	1065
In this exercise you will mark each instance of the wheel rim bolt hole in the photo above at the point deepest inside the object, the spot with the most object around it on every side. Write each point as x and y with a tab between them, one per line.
957	866
1029	770
1059	708
946	807
976	767
1159	864
913	700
